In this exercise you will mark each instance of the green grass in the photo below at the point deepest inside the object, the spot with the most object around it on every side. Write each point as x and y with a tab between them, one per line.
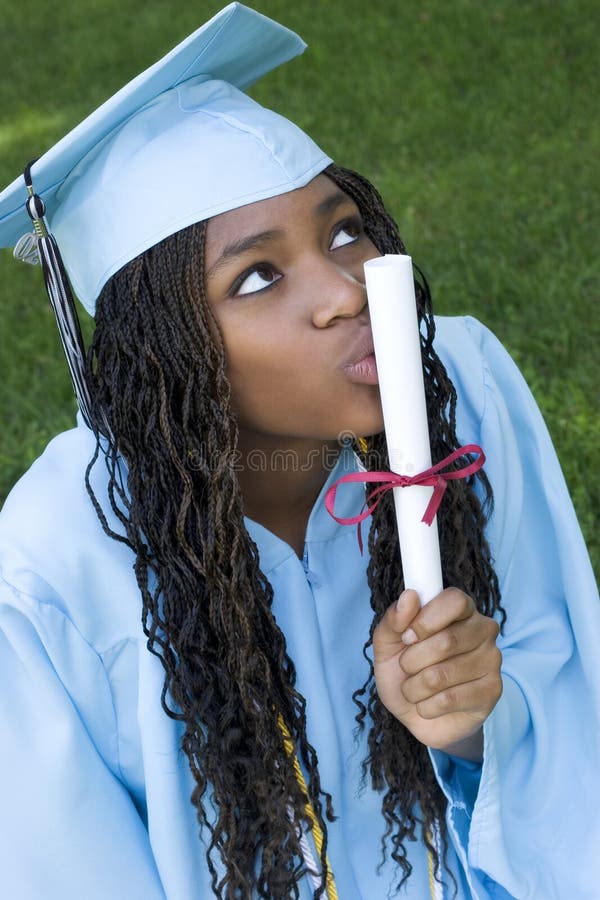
477	120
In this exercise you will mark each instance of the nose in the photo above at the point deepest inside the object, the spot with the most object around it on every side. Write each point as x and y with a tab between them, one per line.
339	293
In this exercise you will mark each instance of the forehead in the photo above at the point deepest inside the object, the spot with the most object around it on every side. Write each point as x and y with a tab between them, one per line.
274	212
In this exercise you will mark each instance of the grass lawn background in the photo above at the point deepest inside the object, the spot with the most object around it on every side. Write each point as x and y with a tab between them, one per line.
478	121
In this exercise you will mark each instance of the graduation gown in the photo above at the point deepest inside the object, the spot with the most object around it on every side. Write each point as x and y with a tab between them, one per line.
95	790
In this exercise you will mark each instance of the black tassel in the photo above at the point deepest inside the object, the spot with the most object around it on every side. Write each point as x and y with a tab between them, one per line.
63	304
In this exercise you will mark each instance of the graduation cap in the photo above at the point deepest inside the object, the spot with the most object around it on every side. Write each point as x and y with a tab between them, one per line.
177	145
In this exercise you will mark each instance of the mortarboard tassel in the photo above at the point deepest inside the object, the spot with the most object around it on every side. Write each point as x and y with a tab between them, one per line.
59	292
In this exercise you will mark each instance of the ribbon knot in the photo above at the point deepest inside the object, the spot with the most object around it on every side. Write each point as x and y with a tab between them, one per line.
433	477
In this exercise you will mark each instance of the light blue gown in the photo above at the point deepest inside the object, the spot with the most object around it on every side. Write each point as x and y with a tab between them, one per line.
95	792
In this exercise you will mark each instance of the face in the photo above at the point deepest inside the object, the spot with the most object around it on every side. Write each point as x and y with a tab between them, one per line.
285	281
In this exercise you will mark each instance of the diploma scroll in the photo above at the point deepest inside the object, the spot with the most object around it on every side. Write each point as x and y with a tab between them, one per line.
393	310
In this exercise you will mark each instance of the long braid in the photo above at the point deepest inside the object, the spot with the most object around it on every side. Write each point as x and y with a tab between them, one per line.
158	372
397	762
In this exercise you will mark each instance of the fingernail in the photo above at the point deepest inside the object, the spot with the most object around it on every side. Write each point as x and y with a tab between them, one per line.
409	637
401	601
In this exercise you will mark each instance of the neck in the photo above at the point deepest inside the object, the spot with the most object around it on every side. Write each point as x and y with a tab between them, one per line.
280	481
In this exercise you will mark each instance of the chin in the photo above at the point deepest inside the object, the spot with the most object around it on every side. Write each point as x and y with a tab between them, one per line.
364	419
379	430
359	429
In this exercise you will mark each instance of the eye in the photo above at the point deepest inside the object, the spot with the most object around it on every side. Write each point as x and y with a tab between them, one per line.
256	279
346	233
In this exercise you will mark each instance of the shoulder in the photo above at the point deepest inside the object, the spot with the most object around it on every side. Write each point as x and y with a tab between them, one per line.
487	380
58	472
460	342
51	498
490	393
469	350
54	551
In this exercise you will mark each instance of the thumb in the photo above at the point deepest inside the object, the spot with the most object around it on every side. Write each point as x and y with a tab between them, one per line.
397	619
404	610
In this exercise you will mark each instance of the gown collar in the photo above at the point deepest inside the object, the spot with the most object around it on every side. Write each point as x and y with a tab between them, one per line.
321	526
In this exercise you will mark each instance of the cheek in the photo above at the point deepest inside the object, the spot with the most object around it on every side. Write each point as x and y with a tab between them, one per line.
258	363
277	391
285	381
271	380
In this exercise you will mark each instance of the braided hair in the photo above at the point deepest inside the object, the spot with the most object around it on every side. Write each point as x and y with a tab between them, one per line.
157	373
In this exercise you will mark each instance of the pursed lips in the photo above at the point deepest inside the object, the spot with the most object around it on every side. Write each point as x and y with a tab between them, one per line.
362	348
361	366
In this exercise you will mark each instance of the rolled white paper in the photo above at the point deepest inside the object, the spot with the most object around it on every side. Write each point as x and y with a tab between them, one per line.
393	310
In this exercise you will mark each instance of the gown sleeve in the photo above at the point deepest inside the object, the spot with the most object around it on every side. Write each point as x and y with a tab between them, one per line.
69	827
526	824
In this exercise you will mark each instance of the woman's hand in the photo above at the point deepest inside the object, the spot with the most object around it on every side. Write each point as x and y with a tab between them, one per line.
437	669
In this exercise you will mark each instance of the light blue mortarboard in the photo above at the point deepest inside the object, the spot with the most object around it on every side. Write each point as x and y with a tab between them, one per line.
178	144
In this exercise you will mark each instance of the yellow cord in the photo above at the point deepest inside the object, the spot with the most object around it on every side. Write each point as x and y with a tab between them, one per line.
430	872
332	893
362	443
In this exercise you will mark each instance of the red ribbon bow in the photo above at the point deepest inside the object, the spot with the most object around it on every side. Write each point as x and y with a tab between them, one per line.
432	477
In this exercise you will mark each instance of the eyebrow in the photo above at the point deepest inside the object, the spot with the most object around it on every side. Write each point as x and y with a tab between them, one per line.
255	241
331	203
237	248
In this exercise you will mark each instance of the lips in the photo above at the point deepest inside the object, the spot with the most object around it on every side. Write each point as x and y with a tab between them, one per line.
360	366
362	348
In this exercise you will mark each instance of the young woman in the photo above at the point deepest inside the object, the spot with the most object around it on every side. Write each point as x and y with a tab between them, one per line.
181	617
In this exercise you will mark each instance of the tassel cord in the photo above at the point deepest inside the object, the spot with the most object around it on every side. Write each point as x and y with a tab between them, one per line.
63	303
